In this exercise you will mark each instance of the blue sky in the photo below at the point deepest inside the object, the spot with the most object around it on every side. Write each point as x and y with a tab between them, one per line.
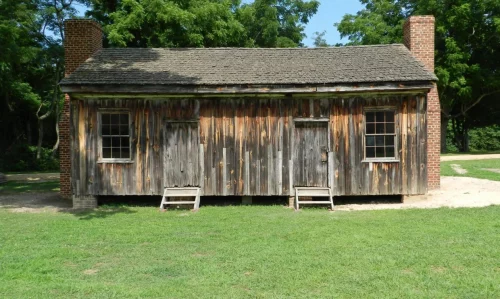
329	13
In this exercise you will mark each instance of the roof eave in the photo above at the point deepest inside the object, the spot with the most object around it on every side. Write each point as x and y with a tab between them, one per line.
245	88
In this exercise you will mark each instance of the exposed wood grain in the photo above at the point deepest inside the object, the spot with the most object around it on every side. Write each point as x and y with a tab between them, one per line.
249	146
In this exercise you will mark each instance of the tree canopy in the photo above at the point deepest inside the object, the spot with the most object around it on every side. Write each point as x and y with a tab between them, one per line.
467	44
203	23
32	62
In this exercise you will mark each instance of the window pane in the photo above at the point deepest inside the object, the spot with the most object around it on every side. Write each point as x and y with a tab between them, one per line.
389	128
389	117
370	152
370	128
115	119
123	129
115	142
370	117
370	140
106	130
380	141
115	130
380	152
106	142
124	142
125	153
389	140
380	128
380	117
106	153
389	151
115	153
105	118
124	119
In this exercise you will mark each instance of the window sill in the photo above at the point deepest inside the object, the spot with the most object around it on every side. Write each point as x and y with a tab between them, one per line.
380	161
115	162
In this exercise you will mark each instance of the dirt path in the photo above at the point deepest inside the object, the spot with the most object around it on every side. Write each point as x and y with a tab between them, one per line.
33	177
34	202
469	157
455	192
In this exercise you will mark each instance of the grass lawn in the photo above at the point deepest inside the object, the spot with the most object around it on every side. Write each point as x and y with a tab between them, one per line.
472	153
255	251
23	187
32	172
475	168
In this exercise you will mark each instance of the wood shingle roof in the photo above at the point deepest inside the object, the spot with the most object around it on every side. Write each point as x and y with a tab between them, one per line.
237	66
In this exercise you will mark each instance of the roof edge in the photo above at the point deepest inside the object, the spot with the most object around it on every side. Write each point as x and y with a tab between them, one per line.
246	89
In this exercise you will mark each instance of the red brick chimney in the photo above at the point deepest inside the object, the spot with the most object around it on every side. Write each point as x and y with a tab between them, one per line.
419	39
82	39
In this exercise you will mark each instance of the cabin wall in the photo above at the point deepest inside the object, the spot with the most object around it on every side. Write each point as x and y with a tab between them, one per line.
247	145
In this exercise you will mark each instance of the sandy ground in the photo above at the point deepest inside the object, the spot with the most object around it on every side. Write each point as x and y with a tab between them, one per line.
455	192
469	157
33	177
35	202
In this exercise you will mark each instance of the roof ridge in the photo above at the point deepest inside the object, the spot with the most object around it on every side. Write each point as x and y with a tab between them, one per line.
262	49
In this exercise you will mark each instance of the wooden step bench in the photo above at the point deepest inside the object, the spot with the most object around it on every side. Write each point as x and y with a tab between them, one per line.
313	192
181	192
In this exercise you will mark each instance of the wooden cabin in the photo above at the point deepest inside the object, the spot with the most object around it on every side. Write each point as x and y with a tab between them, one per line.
246	122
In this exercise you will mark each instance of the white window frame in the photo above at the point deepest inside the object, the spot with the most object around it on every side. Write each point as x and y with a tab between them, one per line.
101	159
396	121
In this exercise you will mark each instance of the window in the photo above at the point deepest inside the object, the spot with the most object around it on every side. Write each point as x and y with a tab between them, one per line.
115	135
380	135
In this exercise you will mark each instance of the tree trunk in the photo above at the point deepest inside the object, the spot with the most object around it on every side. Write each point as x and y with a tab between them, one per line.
466	137
28	132
56	146
444	132
40	139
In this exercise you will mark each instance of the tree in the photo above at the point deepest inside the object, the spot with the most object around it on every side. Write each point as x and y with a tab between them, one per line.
52	14
19	47
276	23
467	48
319	39
203	23
31	64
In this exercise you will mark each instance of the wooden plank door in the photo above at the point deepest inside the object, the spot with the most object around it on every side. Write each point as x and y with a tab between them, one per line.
181	154
310	156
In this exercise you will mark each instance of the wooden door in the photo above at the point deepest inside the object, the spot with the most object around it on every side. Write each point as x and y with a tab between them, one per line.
310	156
181	154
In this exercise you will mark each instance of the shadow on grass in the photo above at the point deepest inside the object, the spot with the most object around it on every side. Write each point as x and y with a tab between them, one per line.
100	213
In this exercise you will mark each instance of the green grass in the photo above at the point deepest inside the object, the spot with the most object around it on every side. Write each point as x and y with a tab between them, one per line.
23	187
474	169
32	172
249	252
472	153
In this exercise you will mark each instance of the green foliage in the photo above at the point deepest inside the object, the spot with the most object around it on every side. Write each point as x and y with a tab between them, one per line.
22	157
467	44
204	23
31	65
250	252
319	39
485	139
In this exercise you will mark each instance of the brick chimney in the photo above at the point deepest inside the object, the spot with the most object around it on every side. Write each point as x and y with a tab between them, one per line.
419	32
82	39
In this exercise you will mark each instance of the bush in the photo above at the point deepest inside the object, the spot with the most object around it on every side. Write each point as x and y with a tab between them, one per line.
480	139
22	157
485	139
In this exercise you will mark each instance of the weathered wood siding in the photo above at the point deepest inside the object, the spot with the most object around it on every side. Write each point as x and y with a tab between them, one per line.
246	146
